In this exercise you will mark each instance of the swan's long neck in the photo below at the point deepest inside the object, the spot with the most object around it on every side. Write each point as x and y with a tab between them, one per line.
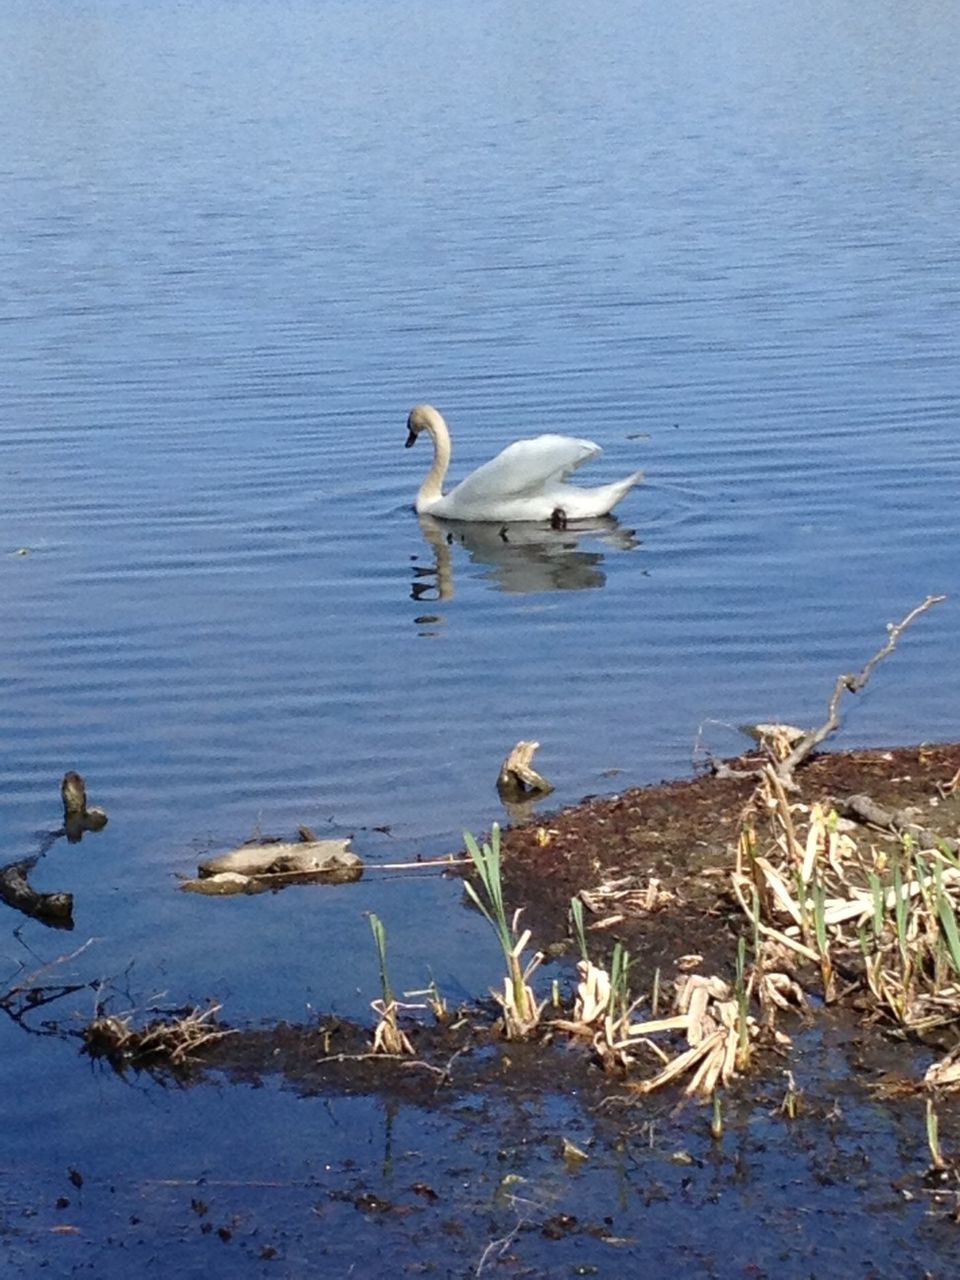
432	488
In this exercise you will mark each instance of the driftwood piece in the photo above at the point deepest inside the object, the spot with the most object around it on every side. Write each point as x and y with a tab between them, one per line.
517	779
898	822
256	868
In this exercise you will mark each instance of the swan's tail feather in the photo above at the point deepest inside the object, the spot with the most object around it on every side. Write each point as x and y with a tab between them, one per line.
619	489
577	503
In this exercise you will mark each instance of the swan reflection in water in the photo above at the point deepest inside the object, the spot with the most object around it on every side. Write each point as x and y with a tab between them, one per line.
522	558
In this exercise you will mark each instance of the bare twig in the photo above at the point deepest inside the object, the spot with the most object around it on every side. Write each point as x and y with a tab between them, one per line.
443	1073
32	980
498	1247
447	862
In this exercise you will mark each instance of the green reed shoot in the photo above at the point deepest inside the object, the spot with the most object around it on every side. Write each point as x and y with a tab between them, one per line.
618	1005
716	1117
380	938
823	943
387	1037
933	1137
741	994
576	915
803	902
901	915
948	923
879	910
755	919
486	863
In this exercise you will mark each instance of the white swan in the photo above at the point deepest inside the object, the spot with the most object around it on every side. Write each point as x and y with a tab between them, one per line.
524	482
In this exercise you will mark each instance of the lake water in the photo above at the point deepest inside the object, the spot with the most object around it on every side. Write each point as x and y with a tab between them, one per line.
239	241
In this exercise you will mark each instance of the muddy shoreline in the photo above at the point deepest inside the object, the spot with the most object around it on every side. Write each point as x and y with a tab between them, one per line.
654	864
479	1156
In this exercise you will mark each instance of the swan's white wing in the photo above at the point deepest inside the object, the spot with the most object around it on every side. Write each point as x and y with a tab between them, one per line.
525	468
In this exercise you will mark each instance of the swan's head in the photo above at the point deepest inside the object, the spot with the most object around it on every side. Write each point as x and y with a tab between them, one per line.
423	417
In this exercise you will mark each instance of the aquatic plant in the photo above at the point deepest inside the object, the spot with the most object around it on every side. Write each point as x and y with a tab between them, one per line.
716	1117
521	1012
887	913
576	916
937	1161
790	1105
388	1036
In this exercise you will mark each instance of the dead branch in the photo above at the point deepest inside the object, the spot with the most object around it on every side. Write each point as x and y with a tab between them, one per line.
497	1248
30	993
848	683
448	862
32	980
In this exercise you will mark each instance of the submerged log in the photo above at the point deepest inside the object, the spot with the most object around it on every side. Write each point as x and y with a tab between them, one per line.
55	909
52	908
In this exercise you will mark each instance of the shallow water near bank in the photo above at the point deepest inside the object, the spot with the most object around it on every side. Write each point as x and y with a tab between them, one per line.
238	245
468	1183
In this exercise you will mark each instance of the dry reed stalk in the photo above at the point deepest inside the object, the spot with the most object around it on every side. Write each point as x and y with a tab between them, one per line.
712	1023
388	1036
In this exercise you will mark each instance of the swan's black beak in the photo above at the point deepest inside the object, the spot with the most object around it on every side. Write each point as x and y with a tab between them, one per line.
411	439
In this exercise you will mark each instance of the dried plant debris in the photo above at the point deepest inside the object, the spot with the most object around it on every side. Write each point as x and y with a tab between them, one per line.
873	916
614	899
173	1040
388	1036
